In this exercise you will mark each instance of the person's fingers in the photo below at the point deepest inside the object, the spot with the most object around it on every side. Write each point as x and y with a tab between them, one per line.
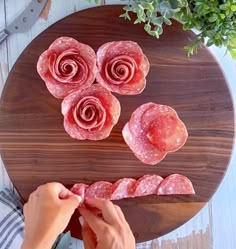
97	224
89	238
73	201
25	208
108	210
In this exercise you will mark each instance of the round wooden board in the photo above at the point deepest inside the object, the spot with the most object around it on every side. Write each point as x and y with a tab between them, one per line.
36	149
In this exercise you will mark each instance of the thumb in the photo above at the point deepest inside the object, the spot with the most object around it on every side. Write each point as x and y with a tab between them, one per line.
73	201
89	238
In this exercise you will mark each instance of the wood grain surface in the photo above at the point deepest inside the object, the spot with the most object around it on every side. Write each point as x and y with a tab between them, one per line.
36	149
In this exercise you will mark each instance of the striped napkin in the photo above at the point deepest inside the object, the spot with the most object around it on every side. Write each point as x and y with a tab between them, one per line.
12	227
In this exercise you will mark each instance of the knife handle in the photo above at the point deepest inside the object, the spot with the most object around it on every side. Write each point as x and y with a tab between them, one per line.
3	35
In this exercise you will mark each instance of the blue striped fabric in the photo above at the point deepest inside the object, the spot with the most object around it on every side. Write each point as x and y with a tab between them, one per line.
11	221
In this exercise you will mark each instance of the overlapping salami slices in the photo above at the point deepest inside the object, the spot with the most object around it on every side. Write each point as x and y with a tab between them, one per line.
69	70
128	187
90	113
122	67
67	65
153	131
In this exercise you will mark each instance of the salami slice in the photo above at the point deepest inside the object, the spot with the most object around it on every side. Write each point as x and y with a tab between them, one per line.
66	66
123	188
153	131
79	189
99	189
174	185
147	185
142	148
122	67
90	113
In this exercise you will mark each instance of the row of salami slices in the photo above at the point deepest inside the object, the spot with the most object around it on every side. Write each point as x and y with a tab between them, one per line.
128	187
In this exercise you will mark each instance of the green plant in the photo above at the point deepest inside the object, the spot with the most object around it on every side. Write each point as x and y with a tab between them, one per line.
214	19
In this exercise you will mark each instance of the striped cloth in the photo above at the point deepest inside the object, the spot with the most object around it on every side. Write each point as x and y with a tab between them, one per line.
12	227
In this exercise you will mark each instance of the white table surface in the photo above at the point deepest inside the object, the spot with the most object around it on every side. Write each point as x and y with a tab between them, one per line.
214	226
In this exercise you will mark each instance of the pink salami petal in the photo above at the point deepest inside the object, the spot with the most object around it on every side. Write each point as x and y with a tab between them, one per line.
99	189
142	148
123	188
174	185
147	185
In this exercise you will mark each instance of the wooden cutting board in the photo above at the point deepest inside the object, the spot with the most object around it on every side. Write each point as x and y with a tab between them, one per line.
36	149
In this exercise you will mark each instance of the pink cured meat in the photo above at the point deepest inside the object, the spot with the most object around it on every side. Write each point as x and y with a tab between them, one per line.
142	148
174	185
123	188
90	113
67	65
99	189
122	67
80	189
147	185
153	131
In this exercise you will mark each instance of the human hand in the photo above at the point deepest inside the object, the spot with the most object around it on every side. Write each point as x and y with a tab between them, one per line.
111	231
47	213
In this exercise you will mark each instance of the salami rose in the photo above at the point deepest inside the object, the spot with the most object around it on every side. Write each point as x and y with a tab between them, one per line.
90	113
153	131
66	66
122	67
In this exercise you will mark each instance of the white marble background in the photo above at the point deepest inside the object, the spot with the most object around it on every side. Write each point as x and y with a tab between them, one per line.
214	226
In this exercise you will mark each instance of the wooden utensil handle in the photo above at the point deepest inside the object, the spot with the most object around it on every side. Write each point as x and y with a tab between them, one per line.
3	35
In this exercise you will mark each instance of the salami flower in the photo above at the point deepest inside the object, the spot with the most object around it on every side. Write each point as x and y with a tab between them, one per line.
90	113
153	131
122	67
66	66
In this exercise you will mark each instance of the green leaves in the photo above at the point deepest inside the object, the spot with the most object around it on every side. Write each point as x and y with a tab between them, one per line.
216	20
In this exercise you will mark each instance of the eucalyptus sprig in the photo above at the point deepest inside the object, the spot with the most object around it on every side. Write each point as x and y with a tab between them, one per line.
214	19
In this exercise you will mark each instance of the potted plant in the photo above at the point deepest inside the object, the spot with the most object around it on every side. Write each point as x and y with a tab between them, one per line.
214	19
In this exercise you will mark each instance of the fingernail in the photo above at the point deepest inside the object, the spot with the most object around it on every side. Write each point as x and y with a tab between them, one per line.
79	198
81	220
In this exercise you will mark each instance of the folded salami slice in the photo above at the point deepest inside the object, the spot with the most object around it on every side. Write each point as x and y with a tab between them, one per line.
175	185
99	189
66	66
90	113
80	189
153	131
123	188
122	67
147	185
